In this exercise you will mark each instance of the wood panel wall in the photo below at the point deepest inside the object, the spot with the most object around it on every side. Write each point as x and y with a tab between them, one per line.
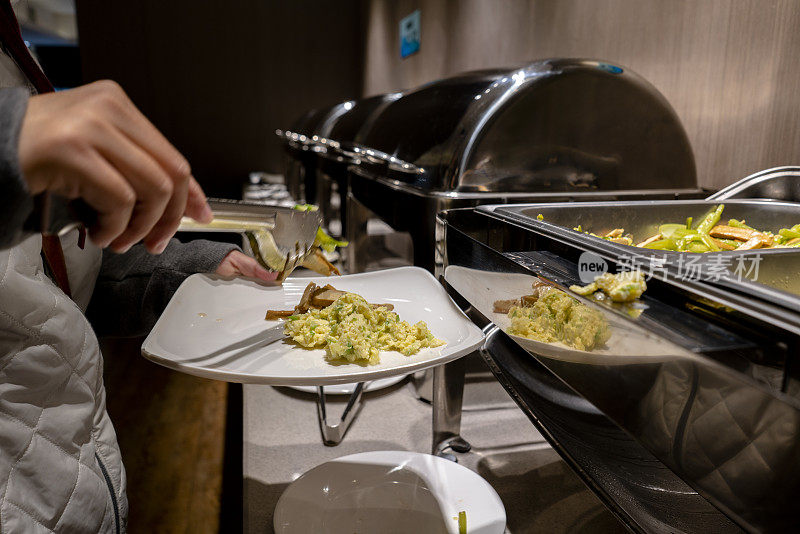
730	68
218	76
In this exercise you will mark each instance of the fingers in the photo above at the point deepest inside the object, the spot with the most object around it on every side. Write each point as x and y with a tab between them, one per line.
187	199
105	190
158	238
92	142
197	204
153	187
262	273
141	131
238	264
250	267
158	172
185	196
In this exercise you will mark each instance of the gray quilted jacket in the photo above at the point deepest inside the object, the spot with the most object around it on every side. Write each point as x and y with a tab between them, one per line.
60	465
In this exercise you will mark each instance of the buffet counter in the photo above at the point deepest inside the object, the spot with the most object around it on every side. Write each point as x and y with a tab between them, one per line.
281	440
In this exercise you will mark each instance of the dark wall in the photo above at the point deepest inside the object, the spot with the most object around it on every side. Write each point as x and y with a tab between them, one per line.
218	77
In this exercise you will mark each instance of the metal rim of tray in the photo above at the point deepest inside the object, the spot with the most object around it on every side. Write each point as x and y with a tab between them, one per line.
643	258
788	319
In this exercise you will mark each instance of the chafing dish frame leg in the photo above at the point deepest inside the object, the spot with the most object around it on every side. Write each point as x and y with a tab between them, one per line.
333	434
356	233
448	400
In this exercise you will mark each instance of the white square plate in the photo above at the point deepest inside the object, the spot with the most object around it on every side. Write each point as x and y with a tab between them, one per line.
213	327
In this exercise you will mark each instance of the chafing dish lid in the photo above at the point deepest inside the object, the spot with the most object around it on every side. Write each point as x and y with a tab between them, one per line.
313	125
357	115
554	125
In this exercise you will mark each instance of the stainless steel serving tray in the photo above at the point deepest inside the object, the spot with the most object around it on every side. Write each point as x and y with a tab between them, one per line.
768	274
771	277
732	410
642	219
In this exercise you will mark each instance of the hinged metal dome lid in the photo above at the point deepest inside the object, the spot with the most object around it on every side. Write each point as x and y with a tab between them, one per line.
553	125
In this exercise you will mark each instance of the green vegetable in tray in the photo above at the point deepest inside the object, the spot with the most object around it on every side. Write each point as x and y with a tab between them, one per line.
708	236
791	233
667	230
710	220
739	224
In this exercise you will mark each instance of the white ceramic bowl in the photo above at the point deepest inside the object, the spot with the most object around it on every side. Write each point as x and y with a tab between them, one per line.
389	492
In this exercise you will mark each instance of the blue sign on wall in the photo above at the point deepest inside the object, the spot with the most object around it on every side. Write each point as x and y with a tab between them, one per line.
409	34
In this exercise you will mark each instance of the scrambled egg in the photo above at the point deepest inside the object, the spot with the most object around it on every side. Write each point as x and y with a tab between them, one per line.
555	316
351	329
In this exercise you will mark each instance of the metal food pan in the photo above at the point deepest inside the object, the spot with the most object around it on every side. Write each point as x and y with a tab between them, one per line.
642	219
771	275
780	272
774	278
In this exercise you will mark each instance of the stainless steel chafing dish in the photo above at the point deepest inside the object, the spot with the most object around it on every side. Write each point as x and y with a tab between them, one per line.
558	130
339	150
301	149
689	418
553	130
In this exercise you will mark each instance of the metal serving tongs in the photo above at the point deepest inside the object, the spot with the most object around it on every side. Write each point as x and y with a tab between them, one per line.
281	238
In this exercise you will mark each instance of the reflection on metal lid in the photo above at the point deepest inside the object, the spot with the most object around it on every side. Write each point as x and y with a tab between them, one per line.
553	125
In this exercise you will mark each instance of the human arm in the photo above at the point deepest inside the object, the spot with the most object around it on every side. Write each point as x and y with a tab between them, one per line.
133	288
15	199
92	143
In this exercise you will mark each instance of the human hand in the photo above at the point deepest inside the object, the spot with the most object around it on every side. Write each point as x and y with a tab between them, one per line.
239	264
92	143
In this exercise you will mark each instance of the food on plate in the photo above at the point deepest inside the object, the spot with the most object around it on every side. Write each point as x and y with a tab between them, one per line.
554	316
525	301
267	253
707	236
351	329
317	262
315	297
626	286
262	242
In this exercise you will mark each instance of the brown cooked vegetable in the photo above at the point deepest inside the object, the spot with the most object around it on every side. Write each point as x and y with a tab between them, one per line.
317	262
305	300
731	232
723	244
504	306
756	241
649	240
525	301
316	298
325	296
273	315
624	240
